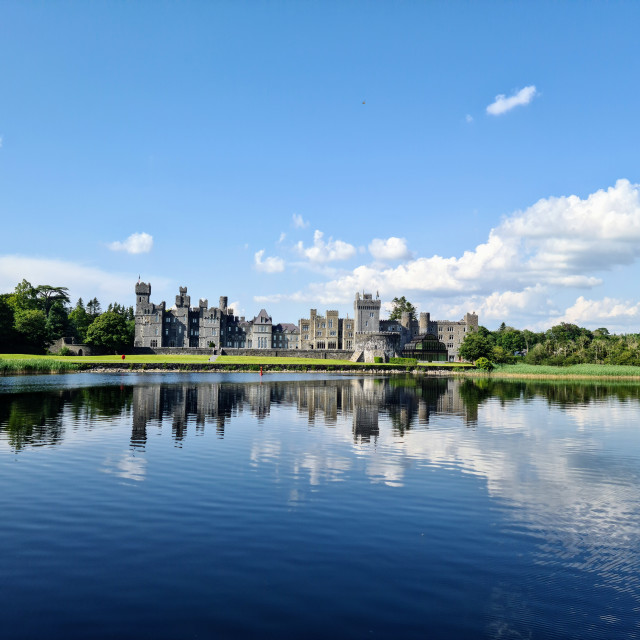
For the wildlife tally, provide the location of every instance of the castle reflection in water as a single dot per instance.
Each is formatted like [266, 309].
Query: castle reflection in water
[191, 406]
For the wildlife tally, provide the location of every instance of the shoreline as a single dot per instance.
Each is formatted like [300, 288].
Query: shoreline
[332, 369]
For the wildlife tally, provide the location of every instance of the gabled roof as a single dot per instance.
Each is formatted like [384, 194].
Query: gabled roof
[262, 318]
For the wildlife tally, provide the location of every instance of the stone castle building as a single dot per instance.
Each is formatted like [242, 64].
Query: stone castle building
[185, 327]
[204, 327]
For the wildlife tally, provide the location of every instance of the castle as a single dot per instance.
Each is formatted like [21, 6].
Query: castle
[362, 337]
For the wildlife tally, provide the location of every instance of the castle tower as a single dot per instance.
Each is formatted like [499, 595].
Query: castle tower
[472, 321]
[424, 322]
[183, 300]
[366, 312]
[223, 303]
[143, 294]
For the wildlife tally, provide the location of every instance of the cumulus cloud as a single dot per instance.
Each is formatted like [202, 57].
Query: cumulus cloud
[502, 103]
[600, 312]
[270, 264]
[329, 251]
[82, 280]
[557, 245]
[390, 249]
[135, 243]
[299, 222]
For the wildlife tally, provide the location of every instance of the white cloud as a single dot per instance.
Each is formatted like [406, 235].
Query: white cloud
[135, 243]
[329, 251]
[390, 249]
[502, 104]
[82, 280]
[0, 142]
[468, 118]
[598, 313]
[527, 262]
[238, 309]
[283, 235]
[270, 264]
[299, 222]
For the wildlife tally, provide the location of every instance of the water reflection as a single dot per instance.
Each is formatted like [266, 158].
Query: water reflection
[538, 479]
[35, 418]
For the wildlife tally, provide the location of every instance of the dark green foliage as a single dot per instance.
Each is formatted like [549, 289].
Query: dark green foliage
[401, 305]
[7, 332]
[484, 364]
[79, 322]
[93, 308]
[377, 359]
[110, 332]
[126, 312]
[474, 346]
[57, 322]
[403, 361]
[31, 326]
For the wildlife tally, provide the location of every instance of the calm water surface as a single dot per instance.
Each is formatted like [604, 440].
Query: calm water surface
[219, 506]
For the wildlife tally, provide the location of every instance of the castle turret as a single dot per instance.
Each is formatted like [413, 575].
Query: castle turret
[366, 312]
[223, 303]
[471, 320]
[424, 322]
[143, 294]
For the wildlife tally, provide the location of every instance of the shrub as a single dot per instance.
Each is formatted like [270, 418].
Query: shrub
[484, 364]
[403, 361]
[65, 351]
[377, 359]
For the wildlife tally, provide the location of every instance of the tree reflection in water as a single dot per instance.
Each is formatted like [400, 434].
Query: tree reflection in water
[33, 419]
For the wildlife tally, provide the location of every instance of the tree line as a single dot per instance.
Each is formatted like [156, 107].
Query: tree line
[34, 317]
[561, 345]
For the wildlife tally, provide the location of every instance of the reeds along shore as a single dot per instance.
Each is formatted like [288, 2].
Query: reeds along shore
[36, 365]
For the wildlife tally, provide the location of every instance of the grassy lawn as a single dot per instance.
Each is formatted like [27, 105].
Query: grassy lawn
[145, 359]
[189, 359]
[591, 370]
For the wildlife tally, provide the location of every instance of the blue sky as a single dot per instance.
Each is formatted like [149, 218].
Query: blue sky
[470, 156]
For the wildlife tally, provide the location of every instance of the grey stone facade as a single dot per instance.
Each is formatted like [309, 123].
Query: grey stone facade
[204, 327]
[326, 332]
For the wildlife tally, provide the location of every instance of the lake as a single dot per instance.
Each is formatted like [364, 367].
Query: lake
[316, 506]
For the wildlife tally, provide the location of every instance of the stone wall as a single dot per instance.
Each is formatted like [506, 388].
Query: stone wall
[326, 354]
[381, 344]
[171, 351]
[75, 349]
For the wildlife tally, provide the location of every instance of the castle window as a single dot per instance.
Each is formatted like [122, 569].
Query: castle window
[167, 319]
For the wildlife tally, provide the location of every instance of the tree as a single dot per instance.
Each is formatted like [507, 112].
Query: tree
[47, 296]
[93, 307]
[110, 332]
[31, 324]
[79, 321]
[510, 340]
[23, 297]
[126, 312]
[57, 321]
[475, 346]
[401, 305]
[7, 332]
